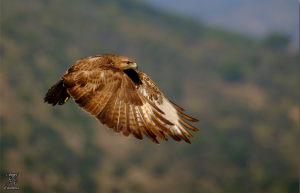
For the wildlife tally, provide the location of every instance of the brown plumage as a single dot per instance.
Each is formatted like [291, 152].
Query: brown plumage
[124, 99]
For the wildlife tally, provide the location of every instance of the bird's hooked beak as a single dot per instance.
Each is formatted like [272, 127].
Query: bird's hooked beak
[134, 66]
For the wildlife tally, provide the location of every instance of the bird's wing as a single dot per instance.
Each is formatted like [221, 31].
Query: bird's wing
[172, 112]
[110, 95]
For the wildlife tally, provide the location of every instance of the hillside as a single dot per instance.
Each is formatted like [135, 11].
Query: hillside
[245, 94]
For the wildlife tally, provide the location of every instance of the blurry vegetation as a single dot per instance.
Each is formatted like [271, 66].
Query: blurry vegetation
[231, 71]
[245, 94]
[277, 41]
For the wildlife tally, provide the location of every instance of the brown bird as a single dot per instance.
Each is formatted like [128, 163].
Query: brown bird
[124, 99]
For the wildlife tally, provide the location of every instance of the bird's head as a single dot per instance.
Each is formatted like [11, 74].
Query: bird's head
[124, 63]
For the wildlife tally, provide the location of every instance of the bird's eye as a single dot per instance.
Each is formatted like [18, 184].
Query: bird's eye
[128, 62]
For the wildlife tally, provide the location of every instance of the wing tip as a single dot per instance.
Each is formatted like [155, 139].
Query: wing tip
[187, 117]
[176, 106]
[155, 141]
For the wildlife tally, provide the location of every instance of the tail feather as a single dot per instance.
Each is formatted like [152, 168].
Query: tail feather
[57, 94]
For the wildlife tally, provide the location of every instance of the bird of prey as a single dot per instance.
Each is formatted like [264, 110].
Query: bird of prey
[124, 99]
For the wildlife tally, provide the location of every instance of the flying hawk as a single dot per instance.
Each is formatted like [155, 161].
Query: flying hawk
[124, 99]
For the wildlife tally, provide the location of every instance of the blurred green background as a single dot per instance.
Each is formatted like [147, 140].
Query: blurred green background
[245, 93]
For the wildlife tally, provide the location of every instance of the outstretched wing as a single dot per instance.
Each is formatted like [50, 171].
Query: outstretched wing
[172, 112]
[110, 95]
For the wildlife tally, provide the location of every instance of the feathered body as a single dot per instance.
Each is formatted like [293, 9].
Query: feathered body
[124, 99]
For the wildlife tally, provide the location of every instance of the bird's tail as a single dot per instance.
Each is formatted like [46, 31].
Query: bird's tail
[57, 94]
